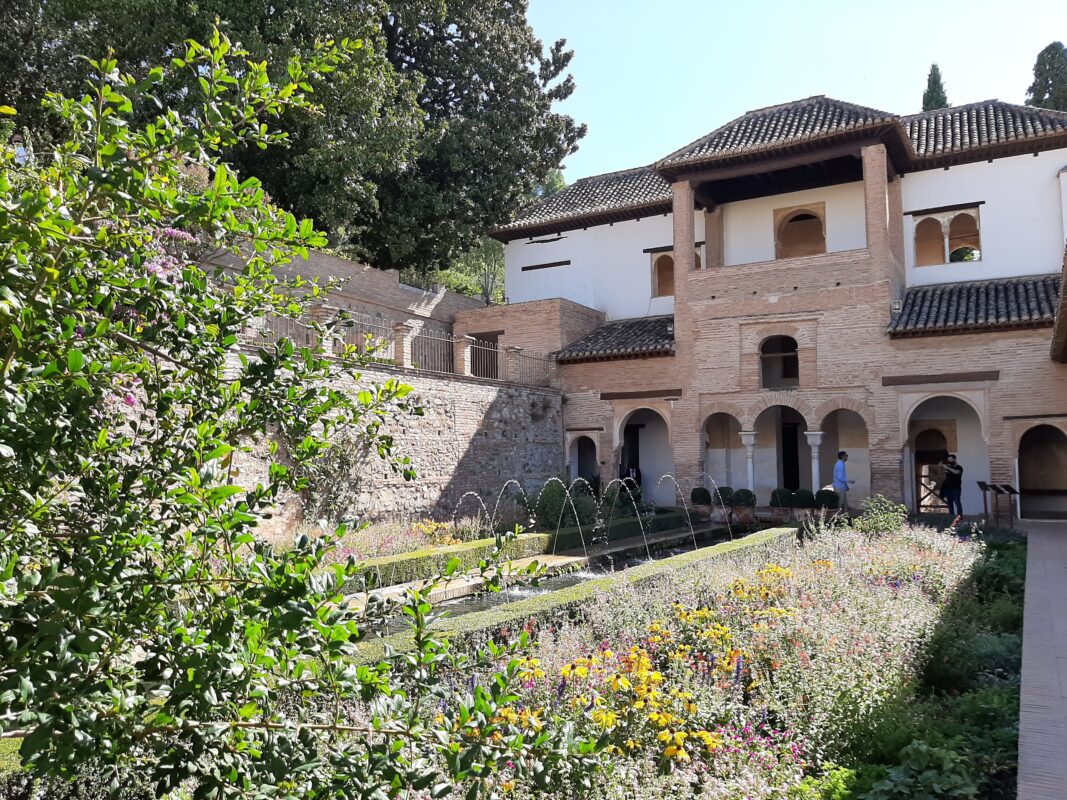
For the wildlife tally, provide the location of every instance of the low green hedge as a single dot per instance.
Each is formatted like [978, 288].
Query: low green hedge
[546, 605]
[422, 564]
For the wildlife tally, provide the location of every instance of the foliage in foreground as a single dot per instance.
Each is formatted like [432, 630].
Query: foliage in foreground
[146, 635]
[438, 127]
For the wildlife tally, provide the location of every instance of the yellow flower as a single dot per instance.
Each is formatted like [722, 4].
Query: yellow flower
[508, 786]
[507, 715]
[619, 683]
[605, 718]
[712, 741]
[531, 719]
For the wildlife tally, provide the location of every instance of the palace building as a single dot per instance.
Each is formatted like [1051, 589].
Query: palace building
[810, 277]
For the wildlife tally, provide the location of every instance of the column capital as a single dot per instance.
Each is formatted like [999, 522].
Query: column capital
[748, 438]
[814, 437]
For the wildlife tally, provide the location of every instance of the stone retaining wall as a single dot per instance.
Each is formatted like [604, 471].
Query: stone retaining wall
[474, 435]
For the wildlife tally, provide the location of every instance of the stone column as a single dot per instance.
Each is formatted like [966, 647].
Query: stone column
[748, 439]
[461, 355]
[402, 340]
[814, 441]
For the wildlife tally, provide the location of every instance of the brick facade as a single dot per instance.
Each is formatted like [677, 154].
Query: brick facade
[837, 306]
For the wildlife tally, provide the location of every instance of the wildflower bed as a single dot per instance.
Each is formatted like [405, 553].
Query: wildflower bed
[727, 684]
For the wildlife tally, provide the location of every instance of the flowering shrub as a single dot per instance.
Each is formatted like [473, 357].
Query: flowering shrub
[738, 681]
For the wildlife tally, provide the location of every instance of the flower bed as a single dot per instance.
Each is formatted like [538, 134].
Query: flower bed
[729, 684]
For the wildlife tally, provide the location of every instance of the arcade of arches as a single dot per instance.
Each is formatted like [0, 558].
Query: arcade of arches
[782, 451]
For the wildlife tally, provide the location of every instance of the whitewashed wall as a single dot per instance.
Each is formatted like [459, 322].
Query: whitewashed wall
[972, 453]
[608, 270]
[748, 226]
[1021, 221]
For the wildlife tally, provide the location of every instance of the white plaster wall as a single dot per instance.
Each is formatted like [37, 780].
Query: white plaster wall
[748, 225]
[845, 430]
[608, 270]
[656, 457]
[972, 455]
[725, 467]
[1021, 222]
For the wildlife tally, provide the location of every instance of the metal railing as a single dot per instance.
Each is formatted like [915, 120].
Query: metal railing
[531, 369]
[371, 336]
[433, 351]
[426, 350]
[485, 359]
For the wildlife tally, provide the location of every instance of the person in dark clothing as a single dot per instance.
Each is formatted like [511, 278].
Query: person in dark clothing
[952, 486]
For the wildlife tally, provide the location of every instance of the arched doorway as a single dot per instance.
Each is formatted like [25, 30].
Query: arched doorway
[1043, 473]
[936, 427]
[782, 456]
[724, 455]
[846, 430]
[582, 459]
[646, 449]
[931, 450]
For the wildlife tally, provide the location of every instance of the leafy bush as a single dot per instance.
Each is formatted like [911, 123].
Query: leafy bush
[803, 498]
[744, 498]
[880, 516]
[826, 498]
[839, 783]
[620, 498]
[782, 498]
[724, 496]
[553, 509]
[700, 496]
[926, 773]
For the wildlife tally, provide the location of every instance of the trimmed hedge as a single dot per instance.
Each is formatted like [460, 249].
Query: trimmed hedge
[422, 564]
[545, 605]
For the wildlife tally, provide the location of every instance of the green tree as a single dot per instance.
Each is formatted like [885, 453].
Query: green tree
[934, 97]
[143, 625]
[1049, 89]
[433, 131]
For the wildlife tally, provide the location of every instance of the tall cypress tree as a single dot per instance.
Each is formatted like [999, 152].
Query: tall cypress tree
[1049, 89]
[934, 97]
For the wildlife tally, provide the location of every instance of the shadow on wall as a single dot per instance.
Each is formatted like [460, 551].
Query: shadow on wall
[473, 437]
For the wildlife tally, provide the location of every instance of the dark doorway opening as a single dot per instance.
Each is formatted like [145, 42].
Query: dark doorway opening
[791, 455]
[931, 450]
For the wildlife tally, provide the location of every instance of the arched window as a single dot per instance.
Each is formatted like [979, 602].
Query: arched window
[800, 233]
[949, 236]
[779, 363]
[929, 243]
[963, 242]
[663, 276]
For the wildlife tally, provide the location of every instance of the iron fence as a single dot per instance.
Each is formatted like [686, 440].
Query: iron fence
[428, 349]
[433, 351]
[371, 336]
[531, 369]
[485, 359]
[268, 330]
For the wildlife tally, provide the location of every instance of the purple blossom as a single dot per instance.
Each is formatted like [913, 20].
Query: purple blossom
[177, 235]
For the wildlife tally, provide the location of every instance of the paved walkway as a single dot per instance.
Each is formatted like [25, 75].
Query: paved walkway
[1043, 713]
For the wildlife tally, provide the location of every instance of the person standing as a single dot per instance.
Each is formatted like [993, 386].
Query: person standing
[841, 480]
[952, 486]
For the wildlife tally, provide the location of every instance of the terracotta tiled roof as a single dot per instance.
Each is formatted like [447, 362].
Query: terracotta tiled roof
[624, 338]
[776, 126]
[613, 192]
[978, 306]
[920, 141]
[980, 125]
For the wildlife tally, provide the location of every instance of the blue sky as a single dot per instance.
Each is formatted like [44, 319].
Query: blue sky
[653, 75]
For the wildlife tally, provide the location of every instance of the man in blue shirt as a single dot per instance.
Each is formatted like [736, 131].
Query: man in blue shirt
[841, 481]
